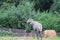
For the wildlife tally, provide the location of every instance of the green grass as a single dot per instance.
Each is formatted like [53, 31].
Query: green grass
[56, 38]
[27, 38]
[8, 38]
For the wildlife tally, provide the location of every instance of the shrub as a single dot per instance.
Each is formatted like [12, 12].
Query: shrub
[6, 33]
[55, 8]
[43, 5]
[15, 17]
[49, 21]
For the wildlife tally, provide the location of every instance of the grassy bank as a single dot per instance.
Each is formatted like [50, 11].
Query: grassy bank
[27, 38]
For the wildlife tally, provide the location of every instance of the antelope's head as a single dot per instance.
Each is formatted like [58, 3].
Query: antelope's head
[29, 20]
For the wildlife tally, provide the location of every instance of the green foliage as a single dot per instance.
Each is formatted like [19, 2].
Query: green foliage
[55, 8]
[49, 21]
[6, 33]
[43, 5]
[28, 28]
[16, 17]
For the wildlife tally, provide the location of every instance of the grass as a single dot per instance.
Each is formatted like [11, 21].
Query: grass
[55, 38]
[27, 38]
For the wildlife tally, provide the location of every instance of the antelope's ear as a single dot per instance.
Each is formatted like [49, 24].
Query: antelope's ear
[30, 23]
[27, 21]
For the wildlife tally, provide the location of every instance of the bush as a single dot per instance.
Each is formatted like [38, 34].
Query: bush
[55, 8]
[28, 28]
[6, 33]
[49, 21]
[16, 17]
[43, 5]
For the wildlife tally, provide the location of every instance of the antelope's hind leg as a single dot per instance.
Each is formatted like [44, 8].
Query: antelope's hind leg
[41, 35]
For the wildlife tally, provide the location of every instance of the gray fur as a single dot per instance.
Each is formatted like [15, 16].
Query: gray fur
[36, 26]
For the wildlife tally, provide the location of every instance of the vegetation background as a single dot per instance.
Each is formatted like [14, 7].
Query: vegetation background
[14, 13]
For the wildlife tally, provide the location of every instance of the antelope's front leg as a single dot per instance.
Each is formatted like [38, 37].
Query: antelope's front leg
[37, 35]
[33, 33]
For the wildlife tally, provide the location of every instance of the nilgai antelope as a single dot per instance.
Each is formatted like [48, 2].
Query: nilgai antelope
[49, 33]
[37, 27]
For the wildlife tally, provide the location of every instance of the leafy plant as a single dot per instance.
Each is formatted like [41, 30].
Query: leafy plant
[16, 17]
[6, 33]
[55, 8]
[48, 20]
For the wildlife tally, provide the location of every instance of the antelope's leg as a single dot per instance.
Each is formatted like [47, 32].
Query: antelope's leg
[37, 35]
[33, 34]
[25, 33]
[40, 34]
